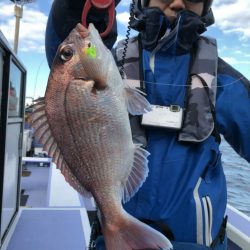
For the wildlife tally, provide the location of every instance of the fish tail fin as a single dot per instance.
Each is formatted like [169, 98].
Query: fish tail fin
[132, 234]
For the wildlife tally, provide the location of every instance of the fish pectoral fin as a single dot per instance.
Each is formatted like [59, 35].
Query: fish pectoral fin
[136, 103]
[138, 174]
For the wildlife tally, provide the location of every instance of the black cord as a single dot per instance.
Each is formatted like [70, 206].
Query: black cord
[95, 232]
[92, 237]
[124, 53]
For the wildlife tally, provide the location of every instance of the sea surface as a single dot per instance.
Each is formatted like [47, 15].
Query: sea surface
[237, 171]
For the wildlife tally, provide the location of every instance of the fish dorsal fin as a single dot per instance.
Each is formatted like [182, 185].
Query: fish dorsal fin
[138, 174]
[44, 134]
[136, 103]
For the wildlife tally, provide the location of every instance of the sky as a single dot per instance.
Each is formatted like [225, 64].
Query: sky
[232, 31]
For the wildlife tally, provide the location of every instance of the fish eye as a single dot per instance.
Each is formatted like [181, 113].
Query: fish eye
[66, 53]
[89, 44]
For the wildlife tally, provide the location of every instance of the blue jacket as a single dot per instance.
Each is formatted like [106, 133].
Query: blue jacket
[186, 186]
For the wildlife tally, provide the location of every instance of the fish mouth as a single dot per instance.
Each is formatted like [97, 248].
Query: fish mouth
[83, 31]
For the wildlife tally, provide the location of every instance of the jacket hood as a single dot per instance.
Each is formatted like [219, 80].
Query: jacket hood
[207, 15]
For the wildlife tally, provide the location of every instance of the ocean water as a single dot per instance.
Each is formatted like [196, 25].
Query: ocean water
[237, 171]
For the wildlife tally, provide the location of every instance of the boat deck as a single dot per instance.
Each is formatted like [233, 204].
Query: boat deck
[49, 229]
[34, 185]
[54, 216]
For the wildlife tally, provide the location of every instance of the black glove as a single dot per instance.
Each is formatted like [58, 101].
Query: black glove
[67, 13]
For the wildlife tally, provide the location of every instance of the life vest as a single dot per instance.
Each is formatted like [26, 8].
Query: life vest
[199, 111]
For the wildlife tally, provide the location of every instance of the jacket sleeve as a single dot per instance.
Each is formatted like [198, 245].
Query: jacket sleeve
[233, 108]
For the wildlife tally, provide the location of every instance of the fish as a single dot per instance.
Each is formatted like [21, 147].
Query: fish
[83, 124]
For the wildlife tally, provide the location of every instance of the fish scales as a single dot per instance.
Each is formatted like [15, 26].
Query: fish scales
[97, 128]
[85, 128]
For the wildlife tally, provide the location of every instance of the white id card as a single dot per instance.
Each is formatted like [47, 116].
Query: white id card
[164, 116]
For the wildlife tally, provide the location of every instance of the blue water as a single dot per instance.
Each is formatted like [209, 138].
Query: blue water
[237, 172]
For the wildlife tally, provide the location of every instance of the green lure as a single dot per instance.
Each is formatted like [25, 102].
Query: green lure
[90, 51]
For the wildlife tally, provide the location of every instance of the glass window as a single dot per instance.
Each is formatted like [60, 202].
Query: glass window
[1, 78]
[15, 91]
[10, 183]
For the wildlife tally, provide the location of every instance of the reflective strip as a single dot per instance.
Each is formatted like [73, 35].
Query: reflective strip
[199, 223]
[152, 62]
[210, 209]
[208, 214]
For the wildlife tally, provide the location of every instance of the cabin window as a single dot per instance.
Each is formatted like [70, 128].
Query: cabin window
[14, 107]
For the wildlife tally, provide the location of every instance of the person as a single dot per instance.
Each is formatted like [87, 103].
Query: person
[64, 16]
[185, 194]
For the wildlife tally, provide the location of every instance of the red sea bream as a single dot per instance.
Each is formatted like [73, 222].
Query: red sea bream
[84, 126]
